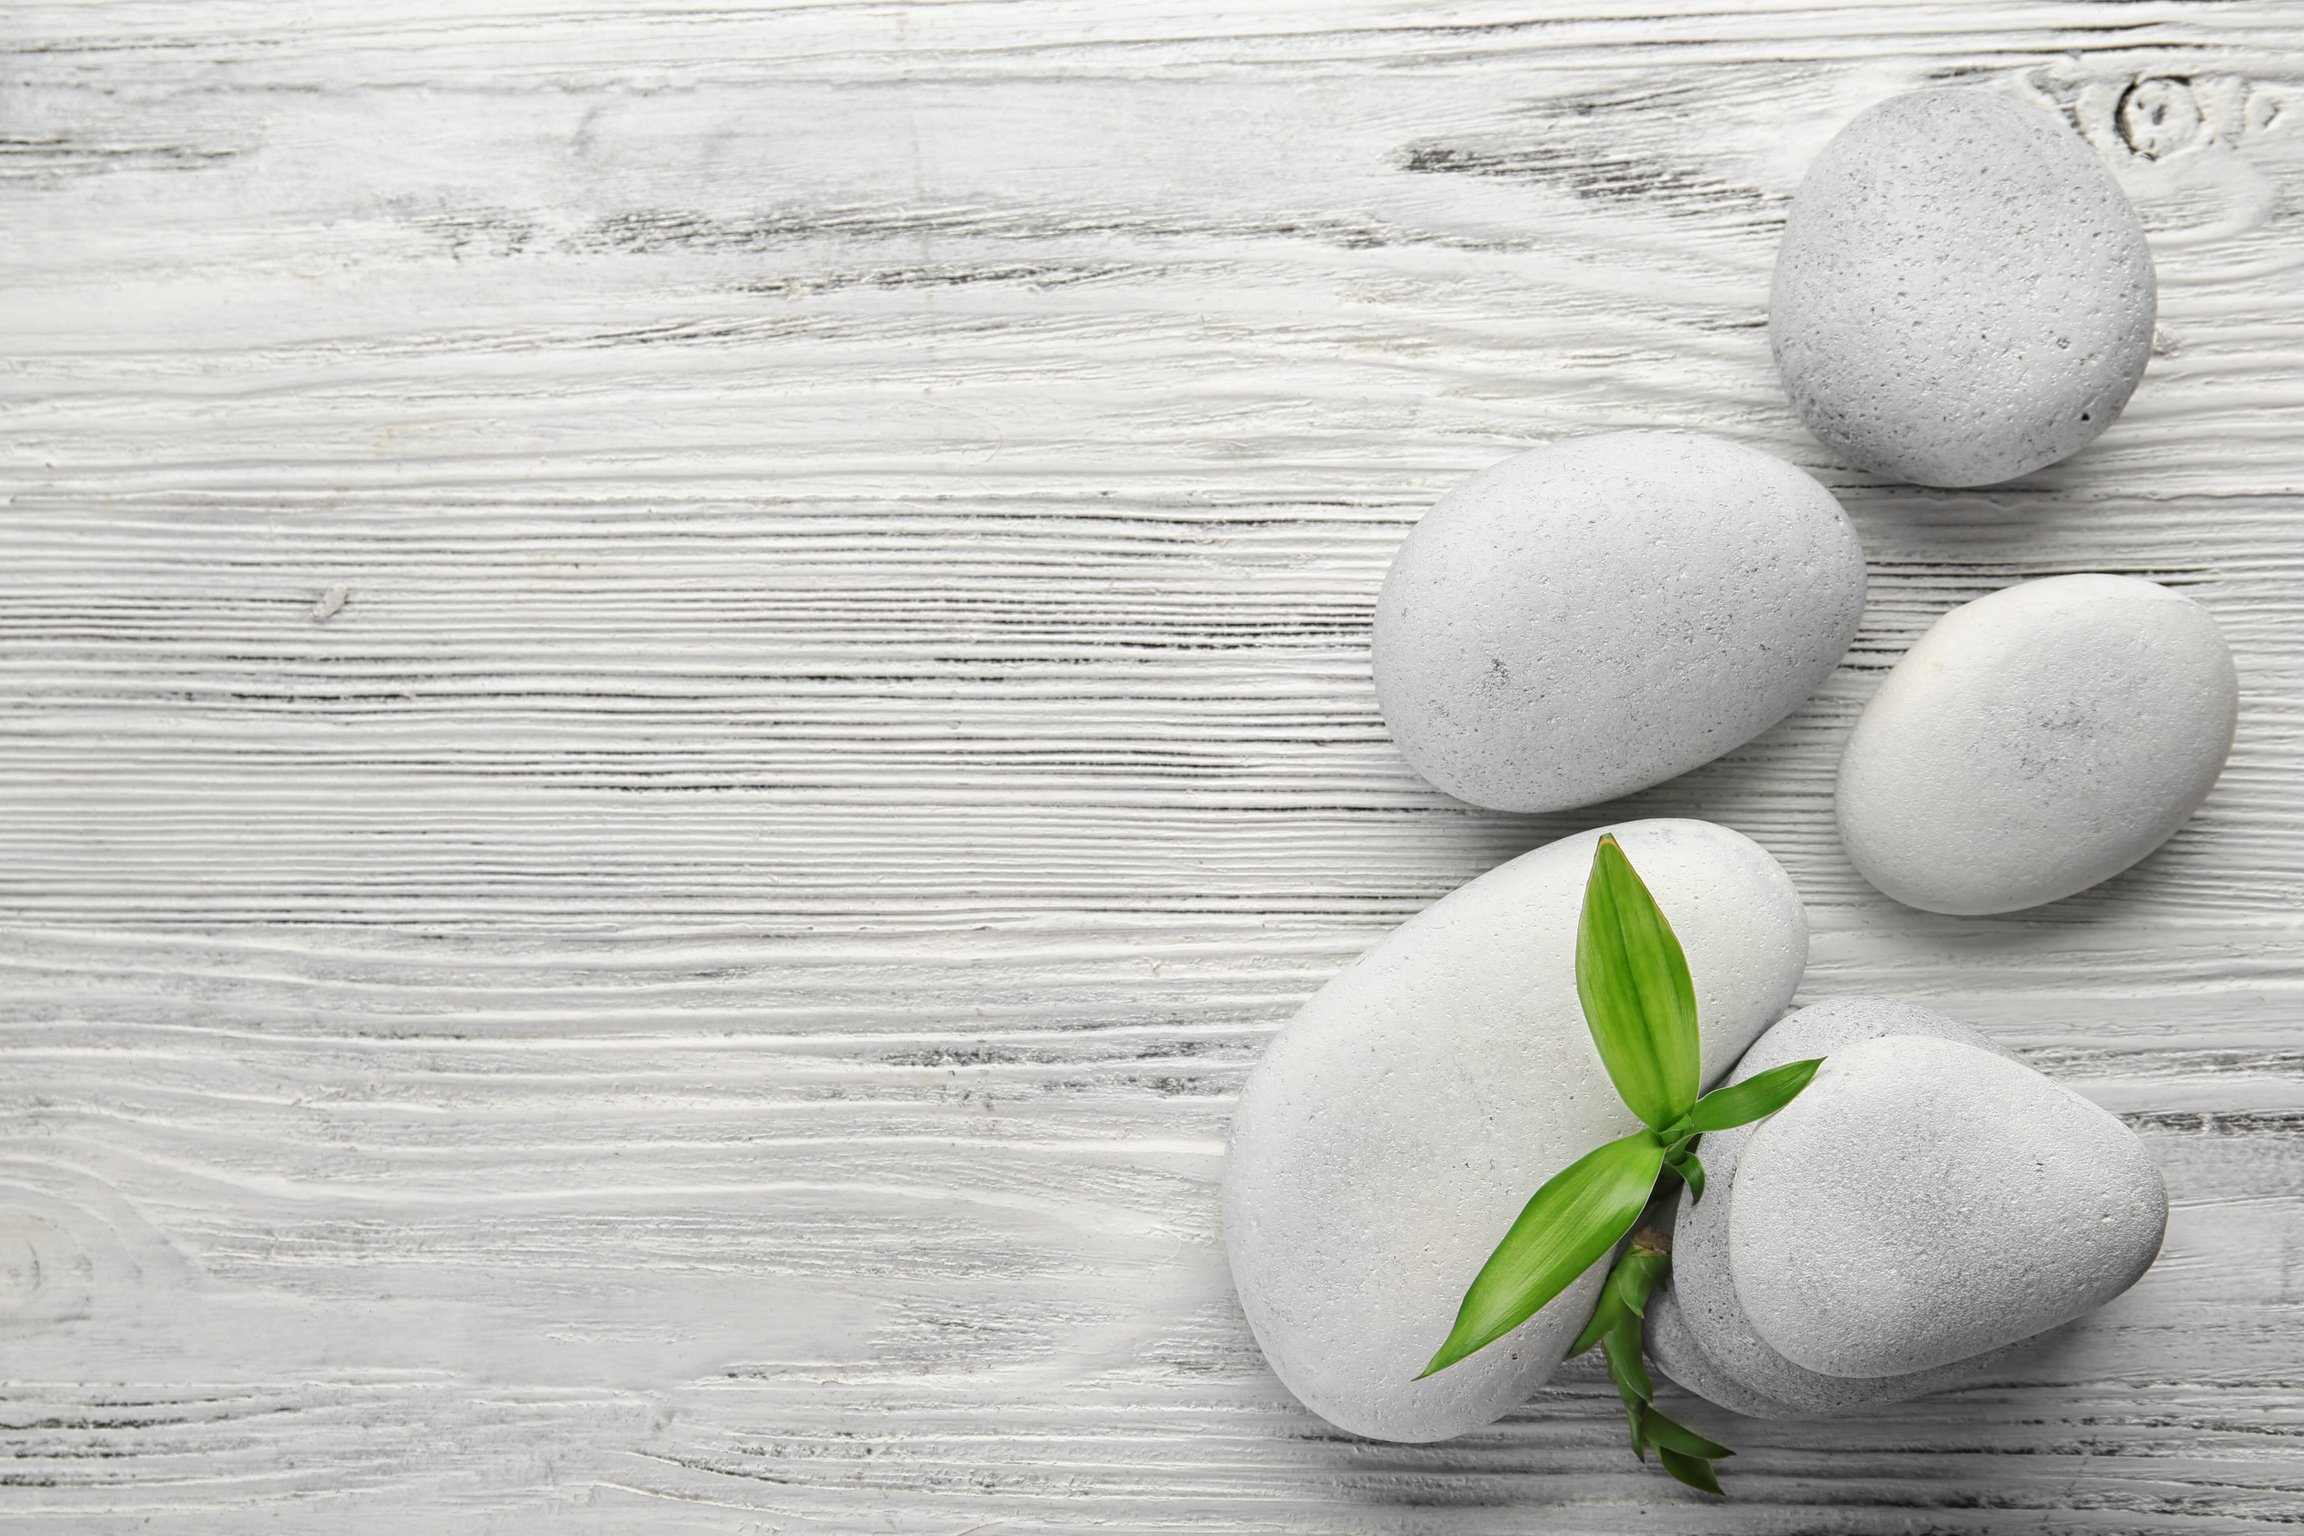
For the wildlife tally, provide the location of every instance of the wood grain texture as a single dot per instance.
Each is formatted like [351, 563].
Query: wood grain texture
[681, 684]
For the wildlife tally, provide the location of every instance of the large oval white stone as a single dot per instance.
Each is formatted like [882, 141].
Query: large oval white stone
[2035, 742]
[1963, 294]
[1603, 614]
[1393, 1130]
[1923, 1201]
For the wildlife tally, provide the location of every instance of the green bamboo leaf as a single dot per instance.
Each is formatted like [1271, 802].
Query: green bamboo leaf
[1625, 1367]
[1763, 1094]
[1661, 1432]
[1625, 1295]
[1604, 1317]
[1691, 1171]
[1630, 1373]
[1638, 999]
[1695, 1471]
[1567, 1226]
[1646, 1270]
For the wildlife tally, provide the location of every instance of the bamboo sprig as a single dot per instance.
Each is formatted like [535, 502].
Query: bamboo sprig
[1639, 1003]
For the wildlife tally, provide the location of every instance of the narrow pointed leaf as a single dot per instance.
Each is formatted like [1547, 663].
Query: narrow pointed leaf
[1691, 1171]
[1567, 1226]
[1695, 1471]
[1663, 1432]
[1625, 1367]
[1641, 1272]
[1604, 1317]
[1638, 999]
[1763, 1094]
[1621, 1347]
[1625, 1295]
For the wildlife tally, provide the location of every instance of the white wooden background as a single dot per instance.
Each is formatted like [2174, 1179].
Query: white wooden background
[682, 682]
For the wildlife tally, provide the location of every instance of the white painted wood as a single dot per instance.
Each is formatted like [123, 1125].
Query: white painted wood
[681, 683]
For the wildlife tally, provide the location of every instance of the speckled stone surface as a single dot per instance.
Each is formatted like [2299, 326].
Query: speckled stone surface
[1673, 1350]
[1393, 1130]
[2035, 742]
[1963, 293]
[1698, 1333]
[1924, 1201]
[1603, 614]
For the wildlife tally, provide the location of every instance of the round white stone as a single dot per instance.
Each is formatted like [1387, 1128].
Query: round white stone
[1963, 294]
[1924, 1201]
[1598, 616]
[1697, 1331]
[1393, 1130]
[2035, 742]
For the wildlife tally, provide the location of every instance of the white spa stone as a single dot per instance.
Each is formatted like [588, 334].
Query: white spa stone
[2037, 741]
[1697, 1331]
[1963, 294]
[1924, 1201]
[1594, 617]
[1393, 1130]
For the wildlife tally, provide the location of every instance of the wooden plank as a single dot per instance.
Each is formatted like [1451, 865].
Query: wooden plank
[680, 686]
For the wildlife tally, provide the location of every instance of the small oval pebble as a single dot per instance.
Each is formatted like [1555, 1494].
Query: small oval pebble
[1963, 294]
[1697, 1331]
[1923, 1201]
[1393, 1130]
[1594, 617]
[2035, 742]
